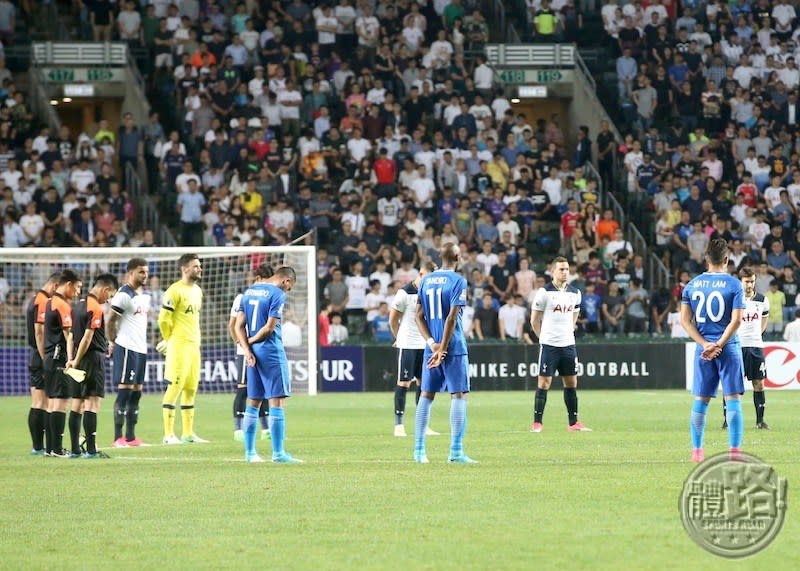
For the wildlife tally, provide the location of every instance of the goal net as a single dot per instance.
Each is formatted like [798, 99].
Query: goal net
[226, 272]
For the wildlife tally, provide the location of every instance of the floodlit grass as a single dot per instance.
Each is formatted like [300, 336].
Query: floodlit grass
[556, 500]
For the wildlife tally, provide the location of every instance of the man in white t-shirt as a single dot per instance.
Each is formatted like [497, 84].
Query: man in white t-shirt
[555, 312]
[357, 288]
[289, 101]
[410, 346]
[512, 318]
[358, 147]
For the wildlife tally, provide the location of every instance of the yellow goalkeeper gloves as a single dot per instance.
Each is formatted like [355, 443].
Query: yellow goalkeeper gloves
[161, 347]
[77, 375]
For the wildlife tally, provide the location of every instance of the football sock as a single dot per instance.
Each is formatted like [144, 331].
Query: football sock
[187, 410]
[48, 432]
[249, 426]
[90, 429]
[132, 415]
[458, 425]
[539, 402]
[33, 418]
[239, 403]
[420, 423]
[38, 428]
[263, 415]
[697, 424]
[759, 399]
[735, 423]
[75, 431]
[277, 427]
[120, 410]
[419, 392]
[168, 416]
[57, 422]
[187, 419]
[399, 403]
[571, 400]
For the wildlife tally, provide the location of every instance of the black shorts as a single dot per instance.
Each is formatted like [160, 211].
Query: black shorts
[55, 381]
[241, 371]
[561, 360]
[409, 364]
[36, 370]
[129, 366]
[755, 368]
[94, 385]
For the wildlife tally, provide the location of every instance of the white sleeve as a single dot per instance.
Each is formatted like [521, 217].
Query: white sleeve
[765, 312]
[540, 300]
[237, 305]
[578, 301]
[400, 301]
[121, 301]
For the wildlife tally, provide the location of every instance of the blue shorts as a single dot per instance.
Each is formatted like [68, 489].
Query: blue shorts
[755, 368]
[561, 360]
[128, 366]
[268, 380]
[452, 375]
[726, 369]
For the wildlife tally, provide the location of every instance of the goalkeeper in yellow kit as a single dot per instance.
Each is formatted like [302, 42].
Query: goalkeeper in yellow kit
[179, 322]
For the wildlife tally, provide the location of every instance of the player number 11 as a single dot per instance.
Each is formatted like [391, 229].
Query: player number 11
[435, 302]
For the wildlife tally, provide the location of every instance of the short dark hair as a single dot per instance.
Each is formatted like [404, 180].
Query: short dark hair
[68, 276]
[106, 280]
[716, 251]
[134, 263]
[746, 273]
[559, 259]
[286, 272]
[54, 278]
[264, 271]
[187, 259]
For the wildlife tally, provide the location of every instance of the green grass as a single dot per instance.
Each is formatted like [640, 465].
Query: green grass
[556, 500]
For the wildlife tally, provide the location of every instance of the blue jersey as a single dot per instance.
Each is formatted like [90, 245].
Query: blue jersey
[259, 303]
[712, 298]
[438, 292]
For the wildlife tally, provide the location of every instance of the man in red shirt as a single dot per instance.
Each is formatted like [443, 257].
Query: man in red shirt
[324, 324]
[569, 221]
[385, 174]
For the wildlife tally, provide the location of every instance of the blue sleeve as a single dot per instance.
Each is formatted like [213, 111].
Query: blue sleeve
[458, 296]
[738, 296]
[685, 295]
[276, 306]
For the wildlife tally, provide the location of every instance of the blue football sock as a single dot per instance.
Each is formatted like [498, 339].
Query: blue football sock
[458, 426]
[277, 428]
[735, 420]
[249, 426]
[697, 423]
[421, 423]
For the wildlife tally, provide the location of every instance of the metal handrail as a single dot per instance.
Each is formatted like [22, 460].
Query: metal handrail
[40, 100]
[80, 53]
[659, 274]
[531, 55]
[147, 211]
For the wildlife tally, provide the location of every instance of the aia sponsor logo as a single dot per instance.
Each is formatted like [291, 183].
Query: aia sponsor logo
[783, 367]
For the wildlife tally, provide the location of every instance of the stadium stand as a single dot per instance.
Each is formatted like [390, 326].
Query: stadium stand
[380, 126]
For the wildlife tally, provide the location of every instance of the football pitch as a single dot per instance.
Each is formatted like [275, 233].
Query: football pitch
[606, 499]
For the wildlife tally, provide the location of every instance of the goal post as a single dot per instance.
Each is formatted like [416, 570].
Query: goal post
[227, 271]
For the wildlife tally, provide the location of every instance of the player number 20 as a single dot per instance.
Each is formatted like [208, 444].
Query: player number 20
[435, 302]
[708, 304]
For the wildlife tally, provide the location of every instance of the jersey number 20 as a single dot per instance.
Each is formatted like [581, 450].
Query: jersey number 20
[708, 304]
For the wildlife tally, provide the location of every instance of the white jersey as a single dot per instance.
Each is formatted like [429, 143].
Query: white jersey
[133, 308]
[558, 308]
[755, 312]
[235, 308]
[405, 301]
